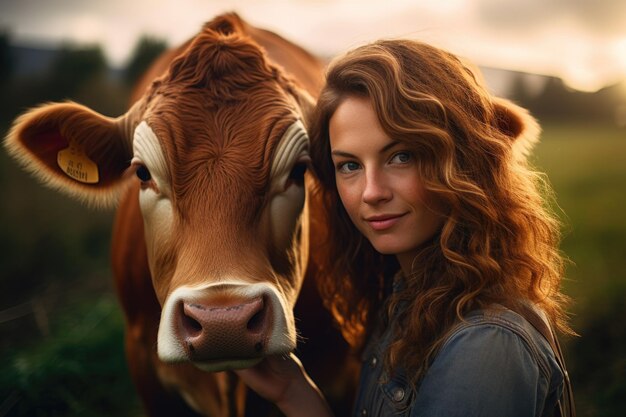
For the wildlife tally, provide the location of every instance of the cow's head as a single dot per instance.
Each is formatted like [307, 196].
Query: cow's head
[220, 149]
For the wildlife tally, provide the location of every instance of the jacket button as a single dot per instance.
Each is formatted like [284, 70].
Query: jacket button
[364, 412]
[373, 361]
[398, 394]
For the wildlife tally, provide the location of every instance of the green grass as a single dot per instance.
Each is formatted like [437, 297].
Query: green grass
[79, 370]
[587, 168]
[54, 254]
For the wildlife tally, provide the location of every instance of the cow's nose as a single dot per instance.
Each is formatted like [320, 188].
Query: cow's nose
[221, 330]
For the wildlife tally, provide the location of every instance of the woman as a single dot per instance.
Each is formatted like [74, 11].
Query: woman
[442, 261]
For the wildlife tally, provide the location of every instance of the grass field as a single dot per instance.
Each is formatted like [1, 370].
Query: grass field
[587, 168]
[69, 361]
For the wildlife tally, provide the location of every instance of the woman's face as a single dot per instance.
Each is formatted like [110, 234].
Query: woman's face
[378, 183]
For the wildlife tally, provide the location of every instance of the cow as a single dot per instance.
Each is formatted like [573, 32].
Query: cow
[214, 225]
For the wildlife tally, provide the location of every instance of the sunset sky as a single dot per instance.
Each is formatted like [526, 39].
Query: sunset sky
[581, 41]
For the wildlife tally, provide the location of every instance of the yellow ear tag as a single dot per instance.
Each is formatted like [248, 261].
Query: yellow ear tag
[76, 164]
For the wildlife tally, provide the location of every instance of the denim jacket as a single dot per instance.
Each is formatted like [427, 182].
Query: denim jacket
[493, 364]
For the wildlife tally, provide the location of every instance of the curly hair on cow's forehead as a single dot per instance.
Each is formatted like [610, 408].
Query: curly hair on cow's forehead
[222, 65]
[499, 241]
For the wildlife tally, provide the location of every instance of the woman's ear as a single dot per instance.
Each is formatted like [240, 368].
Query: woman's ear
[516, 123]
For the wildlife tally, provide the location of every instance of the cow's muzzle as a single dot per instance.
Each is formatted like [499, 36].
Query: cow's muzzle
[213, 329]
[225, 326]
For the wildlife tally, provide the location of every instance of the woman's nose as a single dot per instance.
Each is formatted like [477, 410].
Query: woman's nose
[376, 189]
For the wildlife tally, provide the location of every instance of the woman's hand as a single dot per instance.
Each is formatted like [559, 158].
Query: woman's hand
[272, 377]
[283, 381]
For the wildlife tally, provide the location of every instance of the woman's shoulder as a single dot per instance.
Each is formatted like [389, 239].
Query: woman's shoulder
[496, 332]
[508, 322]
[494, 361]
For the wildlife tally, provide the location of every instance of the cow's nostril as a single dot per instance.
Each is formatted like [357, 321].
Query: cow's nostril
[255, 324]
[191, 326]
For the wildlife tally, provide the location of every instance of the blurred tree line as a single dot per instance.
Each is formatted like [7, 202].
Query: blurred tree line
[82, 73]
[557, 103]
[77, 72]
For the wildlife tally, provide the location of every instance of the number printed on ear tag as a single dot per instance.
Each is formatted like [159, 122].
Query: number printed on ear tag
[76, 164]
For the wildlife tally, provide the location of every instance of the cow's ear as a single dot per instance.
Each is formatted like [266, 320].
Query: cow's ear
[516, 123]
[73, 149]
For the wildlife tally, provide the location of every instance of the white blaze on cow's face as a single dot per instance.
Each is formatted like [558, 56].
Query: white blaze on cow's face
[230, 319]
[155, 196]
[287, 192]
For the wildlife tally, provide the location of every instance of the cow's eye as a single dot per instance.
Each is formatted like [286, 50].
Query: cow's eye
[296, 176]
[143, 174]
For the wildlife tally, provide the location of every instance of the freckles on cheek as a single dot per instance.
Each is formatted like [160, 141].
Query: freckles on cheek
[350, 201]
[344, 187]
[345, 196]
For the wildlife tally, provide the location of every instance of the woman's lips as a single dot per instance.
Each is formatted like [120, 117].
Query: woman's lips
[383, 222]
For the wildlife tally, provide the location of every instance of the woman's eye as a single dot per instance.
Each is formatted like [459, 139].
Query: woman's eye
[143, 174]
[401, 158]
[348, 167]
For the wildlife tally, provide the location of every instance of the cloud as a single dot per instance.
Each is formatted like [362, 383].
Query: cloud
[606, 17]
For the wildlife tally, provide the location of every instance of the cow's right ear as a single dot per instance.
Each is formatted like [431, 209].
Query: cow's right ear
[74, 149]
[516, 123]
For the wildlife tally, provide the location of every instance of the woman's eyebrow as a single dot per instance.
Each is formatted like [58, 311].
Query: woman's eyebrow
[339, 152]
[342, 153]
[388, 146]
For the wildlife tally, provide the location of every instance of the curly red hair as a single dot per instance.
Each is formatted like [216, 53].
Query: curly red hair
[499, 241]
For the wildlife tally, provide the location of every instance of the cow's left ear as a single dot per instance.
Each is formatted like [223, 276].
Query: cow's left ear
[516, 123]
[73, 149]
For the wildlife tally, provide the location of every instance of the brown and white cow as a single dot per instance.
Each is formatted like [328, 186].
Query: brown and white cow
[212, 234]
